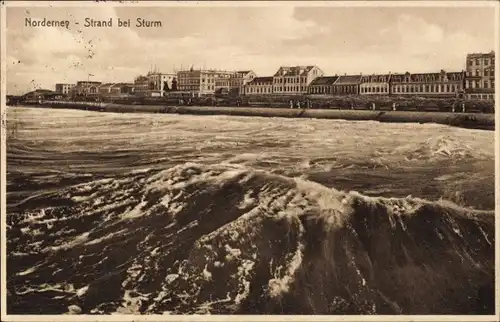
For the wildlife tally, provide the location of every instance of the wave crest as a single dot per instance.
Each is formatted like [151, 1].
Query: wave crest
[229, 239]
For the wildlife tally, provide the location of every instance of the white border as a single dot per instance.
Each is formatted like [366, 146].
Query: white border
[5, 317]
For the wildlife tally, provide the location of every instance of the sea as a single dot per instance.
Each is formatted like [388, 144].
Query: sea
[114, 213]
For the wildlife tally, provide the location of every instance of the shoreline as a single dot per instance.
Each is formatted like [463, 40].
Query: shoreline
[477, 121]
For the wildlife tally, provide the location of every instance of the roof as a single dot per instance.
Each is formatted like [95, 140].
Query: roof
[479, 55]
[348, 80]
[375, 78]
[244, 71]
[268, 79]
[325, 80]
[427, 77]
[293, 71]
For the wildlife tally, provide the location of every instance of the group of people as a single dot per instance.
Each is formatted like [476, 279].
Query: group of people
[299, 104]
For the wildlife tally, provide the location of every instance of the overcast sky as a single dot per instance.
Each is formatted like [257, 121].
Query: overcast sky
[337, 39]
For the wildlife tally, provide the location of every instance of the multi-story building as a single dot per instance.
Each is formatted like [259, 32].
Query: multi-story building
[294, 80]
[162, 82]
[374, 84]
[239, 79]
[442, 84]
[86, 88]
[201, 82]
[154, 84]
[116, 89]
[64, 89]
[346, 85]
[322, 85]
[259, 86]
[480, 77]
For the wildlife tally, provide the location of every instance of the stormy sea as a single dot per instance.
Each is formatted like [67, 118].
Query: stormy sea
[178, 214]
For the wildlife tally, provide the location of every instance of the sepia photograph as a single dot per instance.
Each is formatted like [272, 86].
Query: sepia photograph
[249, 159]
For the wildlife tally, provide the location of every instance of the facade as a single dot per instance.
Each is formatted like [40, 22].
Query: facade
[346, 85]
[480, 77]
[375, 84]
[440, 84]
[294, 80]
[239, 79]
[86, 88]
[64, 89]
[259, 86]
[202, 82]
[42, 94]
[154, 84]
[116, 89]
[322, 85]
[162, 82]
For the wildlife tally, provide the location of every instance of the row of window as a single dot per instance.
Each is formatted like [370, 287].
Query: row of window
[290, 88]
[477, 72]
[291, 80]
[487, 61]
[320, 90]
[477, 84]
[376, 89]
[443, 88]
[482, 96]
[345, 89]
[259, 90]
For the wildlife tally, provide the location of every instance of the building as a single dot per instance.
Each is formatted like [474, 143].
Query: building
[116, 89]
[154, 84]
[162, 82]
[239, 79]
[294, 80]
[346, 85]
[222, 83]
[42, 94]
[480, 76]
[202, 82]
[64, 89]
[322, 85]
[374, 84]
[86, 88]
[259, 86]
[442, 84]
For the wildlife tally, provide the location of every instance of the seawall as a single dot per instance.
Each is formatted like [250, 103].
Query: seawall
[465, 120]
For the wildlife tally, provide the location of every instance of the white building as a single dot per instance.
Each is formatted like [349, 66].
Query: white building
[294, 80]
[259, 86]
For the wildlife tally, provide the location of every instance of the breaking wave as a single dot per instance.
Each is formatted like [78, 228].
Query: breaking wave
[229, 239]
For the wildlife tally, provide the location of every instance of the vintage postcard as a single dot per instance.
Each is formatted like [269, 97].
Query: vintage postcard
[250, 161]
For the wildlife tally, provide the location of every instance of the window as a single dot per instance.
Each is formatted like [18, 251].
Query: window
[486, 61]
[492, 83]
[477, 62]
[478, 72]
[486, 84]
[470, 62]
[486, 73]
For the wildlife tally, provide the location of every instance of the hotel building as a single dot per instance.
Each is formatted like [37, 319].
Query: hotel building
[202, 82]
[259, 86]
[480, 77]
[64, 89]
[294, 80]
[322, 85]
[442, 84]
[374, 84]
[346, 85]
[86, 88]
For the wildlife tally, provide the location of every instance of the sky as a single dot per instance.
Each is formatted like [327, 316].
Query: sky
[338, 40]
